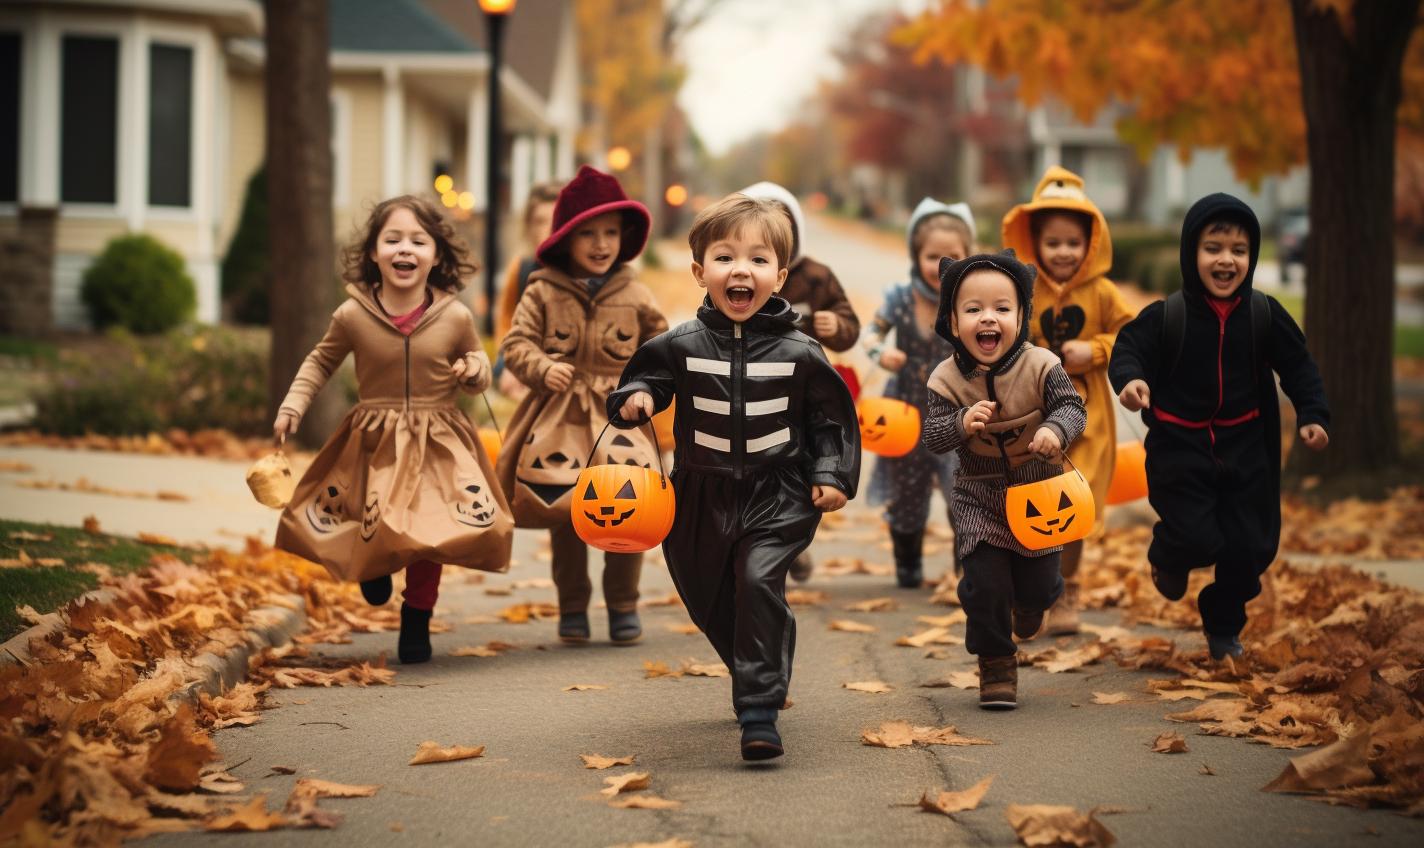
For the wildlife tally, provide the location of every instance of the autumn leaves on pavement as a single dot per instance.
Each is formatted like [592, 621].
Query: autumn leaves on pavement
[96, 751]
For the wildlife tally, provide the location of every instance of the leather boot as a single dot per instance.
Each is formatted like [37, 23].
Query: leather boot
[624, 628]
[999, 682]
[909, 568]
[377, 590]
[1063, 615]
[414, 643]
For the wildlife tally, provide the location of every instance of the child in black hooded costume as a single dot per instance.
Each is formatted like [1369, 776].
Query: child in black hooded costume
[1009, 409]
[767, 440]
[1214, 438]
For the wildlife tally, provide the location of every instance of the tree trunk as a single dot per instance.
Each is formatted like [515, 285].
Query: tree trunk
[298, 91]
[1350, 88]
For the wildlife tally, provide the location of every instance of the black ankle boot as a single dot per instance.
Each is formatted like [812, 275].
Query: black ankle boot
[624, 628]
[376, 591]
[414, 643]
[909, 571]
[573, 628]
[760, 741]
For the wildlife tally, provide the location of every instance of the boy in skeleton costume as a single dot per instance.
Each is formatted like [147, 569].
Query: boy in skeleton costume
[1009, 409]
[579, 321]
[767, 439]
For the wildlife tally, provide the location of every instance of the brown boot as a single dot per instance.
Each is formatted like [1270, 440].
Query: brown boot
[1063, 615]
[1027, 624]
[998, 682]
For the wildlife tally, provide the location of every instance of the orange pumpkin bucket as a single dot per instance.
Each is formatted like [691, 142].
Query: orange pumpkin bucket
[1129, 480]
[623, 508]
[888, 427]
[1051, 512]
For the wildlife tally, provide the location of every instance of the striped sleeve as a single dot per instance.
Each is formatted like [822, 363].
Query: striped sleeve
[1066, 413]
[943, 428]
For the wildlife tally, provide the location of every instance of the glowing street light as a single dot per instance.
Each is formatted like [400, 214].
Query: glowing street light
[676, 195]
[449, 198]
[444, 183]
[467, 200]
[619, 158]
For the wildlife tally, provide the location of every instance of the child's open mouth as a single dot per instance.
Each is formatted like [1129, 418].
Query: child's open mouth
[1223, 276]
[740, 297]
[988, 340]
[403, 267]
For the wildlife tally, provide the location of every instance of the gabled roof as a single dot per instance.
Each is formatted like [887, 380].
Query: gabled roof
[394, 26]
[531, 37]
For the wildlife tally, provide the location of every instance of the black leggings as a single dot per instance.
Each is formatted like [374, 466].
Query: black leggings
[996, 582]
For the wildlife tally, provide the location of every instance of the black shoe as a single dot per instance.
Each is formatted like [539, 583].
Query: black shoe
[760, 741]
[909, 568]
[414, 644]
[573, 628]
[1222, 647]
[624, 628]
[377, 590]
[802, 567]
[1172, 585]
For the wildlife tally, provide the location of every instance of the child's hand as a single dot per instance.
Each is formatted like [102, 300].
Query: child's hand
[471, 370]
[1077, 356]
[510, 387]
[893, 359]
[285, 425]
[638, 407]
[1136, 396]
[976, 416]
[825, 323]
[1045, 443]
[827, 498]
[1314, 436]
[559, 377]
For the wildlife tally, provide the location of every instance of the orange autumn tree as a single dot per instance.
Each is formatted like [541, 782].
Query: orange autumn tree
[1275, 83]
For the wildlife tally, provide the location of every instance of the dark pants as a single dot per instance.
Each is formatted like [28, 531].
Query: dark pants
[1219, 504]
[570, 570]
[731, 544]
[996, 582]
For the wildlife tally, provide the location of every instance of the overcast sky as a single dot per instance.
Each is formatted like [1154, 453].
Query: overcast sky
[752, 62]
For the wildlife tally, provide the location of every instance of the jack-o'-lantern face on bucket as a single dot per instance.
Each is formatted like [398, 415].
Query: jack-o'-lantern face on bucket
[609, 513]
[888, 427]
[1050, 512]
[474, 505]
[622, 508]
[326, 512]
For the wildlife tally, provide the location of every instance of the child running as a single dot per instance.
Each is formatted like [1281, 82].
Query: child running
[578, 323]
[1199, 367]
[1009, 410]
[1079, 313]
[538, 224]
[905, 483]
[767, 440]
[404, 482]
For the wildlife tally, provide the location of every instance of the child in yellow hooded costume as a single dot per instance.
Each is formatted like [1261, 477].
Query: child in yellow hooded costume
[1077, 312]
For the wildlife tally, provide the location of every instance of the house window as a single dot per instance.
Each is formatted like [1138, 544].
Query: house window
[170, 125]
[89, 120]
[9, 117]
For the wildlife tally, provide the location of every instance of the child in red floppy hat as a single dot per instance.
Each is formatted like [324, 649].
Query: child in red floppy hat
[577, 325]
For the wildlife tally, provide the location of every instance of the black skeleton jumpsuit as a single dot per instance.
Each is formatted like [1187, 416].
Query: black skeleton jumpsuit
[761, 418]
[1213, 444]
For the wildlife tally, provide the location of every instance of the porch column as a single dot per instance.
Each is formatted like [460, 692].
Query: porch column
[521, 171]
[543, 162]
[393, 135]
[477, 144]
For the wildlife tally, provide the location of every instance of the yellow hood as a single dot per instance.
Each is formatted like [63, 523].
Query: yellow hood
[1060, 189]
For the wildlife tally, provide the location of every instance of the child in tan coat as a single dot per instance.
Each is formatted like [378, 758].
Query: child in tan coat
[577, 325]
[404, 483]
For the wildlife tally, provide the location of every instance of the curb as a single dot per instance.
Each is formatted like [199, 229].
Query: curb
[268, 627]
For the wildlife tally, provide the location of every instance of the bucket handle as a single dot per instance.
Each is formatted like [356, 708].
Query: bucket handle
[656, 447]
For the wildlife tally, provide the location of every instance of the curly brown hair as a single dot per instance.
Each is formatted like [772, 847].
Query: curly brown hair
[453, 261]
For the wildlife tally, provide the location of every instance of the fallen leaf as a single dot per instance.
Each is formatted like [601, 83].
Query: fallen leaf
[313, 788]
[1342, 764]
[431, 752]
[851, 626]
[895, 734]
[806, 597]
[1113, 698]
[476, 651]
[499, 590]
[957, 679]
[91, 525]
[630, 782]
[582, 687]
[689, 628]
[659, 670]
[1169, 743]
[873, 686]
[595, 761]
[283, 769]
[155, 539]
[15, 465]
[950, 803]
[874, 605]
[1206, 769]
[49, 562]
[250, 816]
[220, 782]
[935, 636]
[699, 669]
[670, 843]
[644, 802]
[1044, 824]
[956, 617]
[672, 599]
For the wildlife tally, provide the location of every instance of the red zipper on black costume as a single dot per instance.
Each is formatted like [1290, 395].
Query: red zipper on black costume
[1213, 422]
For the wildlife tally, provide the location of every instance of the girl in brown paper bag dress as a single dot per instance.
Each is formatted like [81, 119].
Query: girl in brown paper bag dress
[404, 482]
[577, 325]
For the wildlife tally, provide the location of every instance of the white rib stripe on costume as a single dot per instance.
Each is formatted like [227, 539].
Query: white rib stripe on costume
[724, 445]
[721, 407]
[769, 369]
[711, 366]
[764, 407]
[770, 440]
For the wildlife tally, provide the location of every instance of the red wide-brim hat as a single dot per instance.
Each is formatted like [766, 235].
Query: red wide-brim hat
[589, 194]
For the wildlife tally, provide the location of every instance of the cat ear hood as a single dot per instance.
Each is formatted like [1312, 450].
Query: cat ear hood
[951, 276]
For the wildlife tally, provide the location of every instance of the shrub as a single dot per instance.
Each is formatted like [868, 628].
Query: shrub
[213, 378]
[139, 284]
[247, 268]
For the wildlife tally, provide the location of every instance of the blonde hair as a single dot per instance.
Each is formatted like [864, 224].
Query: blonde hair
[729, 215]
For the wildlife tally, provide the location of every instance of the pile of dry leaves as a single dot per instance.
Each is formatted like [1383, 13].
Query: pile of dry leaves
[215, 444]
[97, 745]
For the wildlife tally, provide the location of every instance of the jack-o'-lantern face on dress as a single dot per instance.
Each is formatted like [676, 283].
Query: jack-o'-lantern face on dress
[551, 460]
[371, 516]
[475, 505]
[326, 511]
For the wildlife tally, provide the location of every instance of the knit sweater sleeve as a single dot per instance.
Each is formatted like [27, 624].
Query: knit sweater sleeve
[320, 364]
[1067, 416]
[943, 430]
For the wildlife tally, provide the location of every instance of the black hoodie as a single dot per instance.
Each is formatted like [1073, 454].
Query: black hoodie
[1214, 383]
[750, 396]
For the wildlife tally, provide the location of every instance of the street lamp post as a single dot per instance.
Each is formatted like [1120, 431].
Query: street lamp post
[495, 13]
